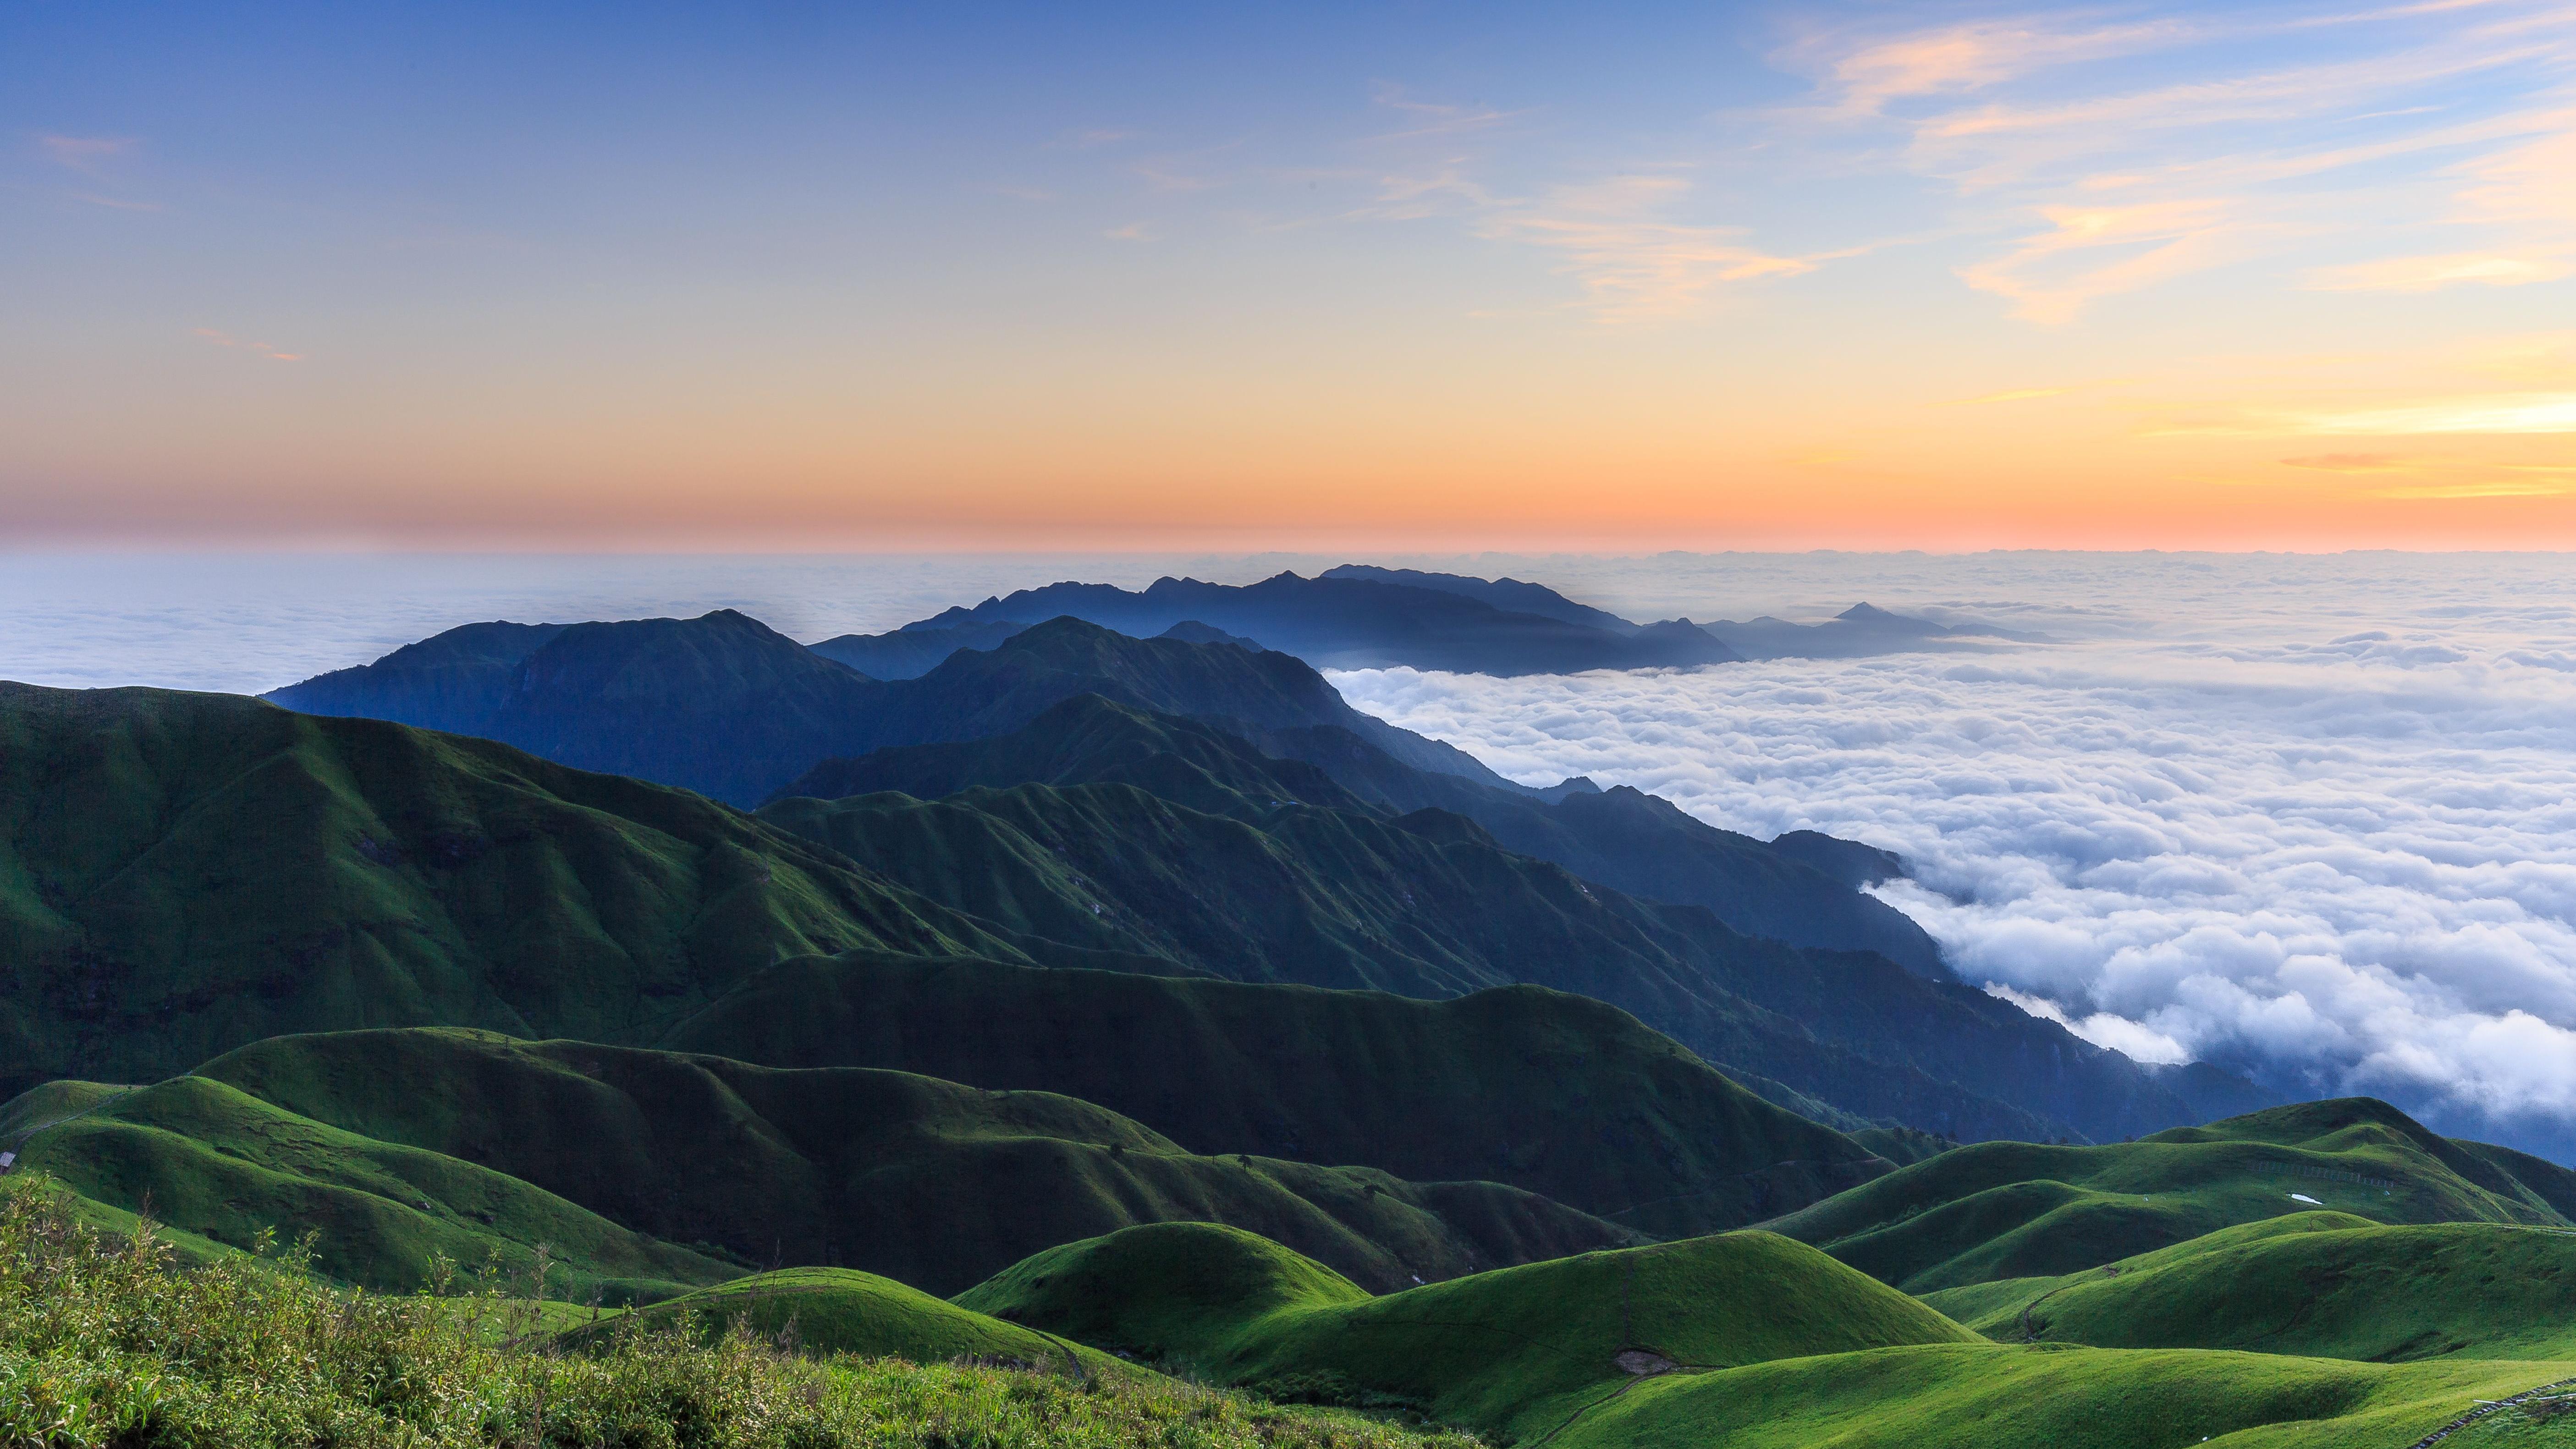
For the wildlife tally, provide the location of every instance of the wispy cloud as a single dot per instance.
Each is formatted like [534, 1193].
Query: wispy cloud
[1132, 231]
[1432, 118]
[257, 349]
[2426, 274]
[2527, 412]
[86, 154]
[1632, 265]
[2445, 115]
[2052, 276]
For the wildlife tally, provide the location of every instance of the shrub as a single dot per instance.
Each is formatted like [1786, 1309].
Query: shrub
[111, 1343]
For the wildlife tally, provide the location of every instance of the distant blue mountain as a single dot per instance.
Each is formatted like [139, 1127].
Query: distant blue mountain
[1361, 623]
[1859, 632]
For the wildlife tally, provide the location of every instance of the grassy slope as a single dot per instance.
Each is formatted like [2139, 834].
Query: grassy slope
[2319, 1284]
[1558, 1094]
[220, 1166]
[2018, 1210]
[1513, 1350]
[829, 1311]
[927, 1181]
[107, 1344]
[1343, 899]
[1775, 1346]
[182, 873]
[1952, 1397]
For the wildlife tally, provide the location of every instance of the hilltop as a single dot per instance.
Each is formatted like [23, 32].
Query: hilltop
[2011, 1210]
[1511, 1351]
[2318, 1283]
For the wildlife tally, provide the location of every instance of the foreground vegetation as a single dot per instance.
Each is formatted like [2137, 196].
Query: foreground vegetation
[110, 1343]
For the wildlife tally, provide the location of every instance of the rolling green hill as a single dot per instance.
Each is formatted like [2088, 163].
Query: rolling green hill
[825, 1311]
[2318, 1284]
[221, 1165]
[1512, 1351]
[1558, 1094]
[2017, 1210]
[1974, 1397]
[1744, 1340]
[183, 873]
[931, 1182]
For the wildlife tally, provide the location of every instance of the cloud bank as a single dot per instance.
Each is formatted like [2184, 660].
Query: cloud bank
[2346, 865]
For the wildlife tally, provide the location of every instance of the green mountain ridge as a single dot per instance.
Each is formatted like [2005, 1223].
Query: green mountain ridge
[2317, 1284]
[1746, 1340]
[897, 1174]
[219, 1164]
[825, 1311]
[1269, 887]
[1554, 1093]
[1999, 1210]
[184, 873]
[1511, 1351]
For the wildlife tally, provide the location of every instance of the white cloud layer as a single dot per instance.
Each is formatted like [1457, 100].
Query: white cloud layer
[2345, 862]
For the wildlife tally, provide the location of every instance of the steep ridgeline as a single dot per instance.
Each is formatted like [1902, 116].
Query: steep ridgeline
[727, 707]
[1859, 631]
[1558, 1094]
[394, 1143]
[182, 873]
[1510, 595]
[2010, 1211]
[1251, 882]
[1350, 622]
[916, 649]
[1804, 890]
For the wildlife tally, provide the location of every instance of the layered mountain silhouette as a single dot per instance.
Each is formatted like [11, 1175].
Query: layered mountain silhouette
[241, 871]
[1350, 621]
[726, 706]
[1121, 831]
[1639, 843]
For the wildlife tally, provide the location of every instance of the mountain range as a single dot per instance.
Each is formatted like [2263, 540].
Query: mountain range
[1357, 616]
[1157, 1005]
[1207, 729]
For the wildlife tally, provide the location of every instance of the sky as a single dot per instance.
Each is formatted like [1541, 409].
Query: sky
[1415, 275]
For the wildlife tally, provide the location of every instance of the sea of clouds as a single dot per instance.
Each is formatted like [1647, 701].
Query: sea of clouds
[2313, 819]
[2310, 817]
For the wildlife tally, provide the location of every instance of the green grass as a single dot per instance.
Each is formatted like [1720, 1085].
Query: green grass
[184, 873]
[1973, 1397]
[1558, 1094]
[1510, 1351]
[109, 1343]
[826, 1311]
[226, 1167]
[2000, 1210]
[651, 1172]
[2324, 1285]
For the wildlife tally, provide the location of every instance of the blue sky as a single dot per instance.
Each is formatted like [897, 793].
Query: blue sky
[2292, 274]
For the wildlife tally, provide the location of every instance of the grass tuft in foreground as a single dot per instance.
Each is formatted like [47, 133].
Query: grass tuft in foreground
[110, 1343]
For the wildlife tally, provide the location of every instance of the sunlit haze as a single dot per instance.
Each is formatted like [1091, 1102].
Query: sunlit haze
[1425, 275]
